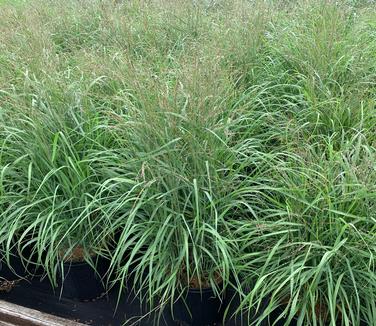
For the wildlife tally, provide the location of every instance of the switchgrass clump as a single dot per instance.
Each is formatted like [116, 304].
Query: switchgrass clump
[319, 268]
[50, 168]
[314, 259]
[196, 144]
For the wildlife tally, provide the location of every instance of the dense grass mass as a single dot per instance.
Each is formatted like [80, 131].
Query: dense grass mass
[210, 140]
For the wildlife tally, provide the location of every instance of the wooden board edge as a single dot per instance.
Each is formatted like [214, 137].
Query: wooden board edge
[16, 315]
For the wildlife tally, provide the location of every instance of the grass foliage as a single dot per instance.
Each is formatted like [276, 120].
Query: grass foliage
[209, 140]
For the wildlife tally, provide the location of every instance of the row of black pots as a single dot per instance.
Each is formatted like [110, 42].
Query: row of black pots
[80, 281]
[195, 307]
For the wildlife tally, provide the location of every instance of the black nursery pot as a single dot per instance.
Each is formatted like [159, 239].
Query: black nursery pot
[80, 281]
[245, 317]
[18, 268]
[15, 271]
[198, 308]
[274, 316]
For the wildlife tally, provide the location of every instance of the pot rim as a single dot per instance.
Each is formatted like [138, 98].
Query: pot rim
[202, 290]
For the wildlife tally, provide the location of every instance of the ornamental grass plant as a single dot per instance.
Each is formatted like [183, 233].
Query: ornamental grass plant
[196, 144]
